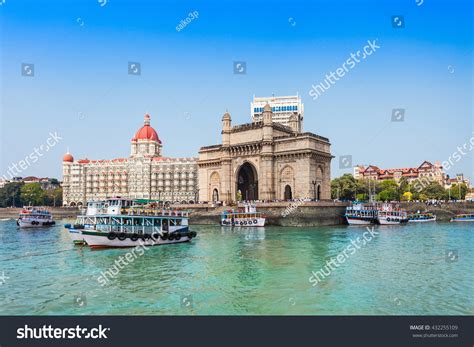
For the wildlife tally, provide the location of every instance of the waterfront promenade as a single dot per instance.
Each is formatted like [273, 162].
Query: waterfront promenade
[283, 213]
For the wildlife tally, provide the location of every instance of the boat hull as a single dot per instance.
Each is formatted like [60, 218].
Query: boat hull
[391, 221]
[76, 236]
[101, 240]
[359, 221]
[34, 224]
[243, 222]
[462, 220]
[422, 220]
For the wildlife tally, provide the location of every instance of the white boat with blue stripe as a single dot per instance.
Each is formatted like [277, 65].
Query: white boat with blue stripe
[119, 222]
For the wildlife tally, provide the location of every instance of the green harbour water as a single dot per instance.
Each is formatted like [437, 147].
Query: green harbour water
[417, 269]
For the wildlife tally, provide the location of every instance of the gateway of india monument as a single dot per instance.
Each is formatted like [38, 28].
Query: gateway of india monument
[270, 158]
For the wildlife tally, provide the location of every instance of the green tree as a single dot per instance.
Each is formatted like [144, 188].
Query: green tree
[422, 197]
[387, 195]
[32, 194]
[54, 181]
[53, 197]
[403, 187]
[458, 191]
[365, 187]
[389, 191]
[434, 191]
[10, 194]
[344, 187]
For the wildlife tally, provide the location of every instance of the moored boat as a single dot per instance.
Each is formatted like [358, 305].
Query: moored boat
[421, 217]
[34, 217]
[389, 215]
[126, 223]
[249, 217]
[463, 218]
[360, 214]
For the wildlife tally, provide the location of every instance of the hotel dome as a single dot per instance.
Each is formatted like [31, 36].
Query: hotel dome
[146, 132]
[68, 158]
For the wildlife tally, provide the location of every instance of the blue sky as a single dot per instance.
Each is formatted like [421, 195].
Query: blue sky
[82, 90]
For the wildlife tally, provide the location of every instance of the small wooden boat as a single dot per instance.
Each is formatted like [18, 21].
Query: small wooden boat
[421, 217]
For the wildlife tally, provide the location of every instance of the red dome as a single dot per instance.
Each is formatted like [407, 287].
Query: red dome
[68, 157]
[146, 132]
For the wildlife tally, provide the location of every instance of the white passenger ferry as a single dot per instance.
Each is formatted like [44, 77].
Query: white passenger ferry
[361, 214]
[249, 217]
[389, 215]
[119, 222]
[33, 217]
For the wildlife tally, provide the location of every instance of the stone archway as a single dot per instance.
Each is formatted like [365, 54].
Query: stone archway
[215, 195]
[288, 194]
[287, 183]
[247, 182]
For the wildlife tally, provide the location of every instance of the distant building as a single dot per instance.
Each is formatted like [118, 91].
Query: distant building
[459, 179]
[45, 182]
[469, 196]
[283, 108]
[145, 174]
[432, 172]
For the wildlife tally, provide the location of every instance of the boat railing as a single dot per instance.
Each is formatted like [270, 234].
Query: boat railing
[136, 229]
[133, 211]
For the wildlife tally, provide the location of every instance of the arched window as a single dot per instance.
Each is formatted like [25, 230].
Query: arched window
[288, 193]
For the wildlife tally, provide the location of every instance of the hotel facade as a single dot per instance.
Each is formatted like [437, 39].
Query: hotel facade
[145, 174]
[432, 172]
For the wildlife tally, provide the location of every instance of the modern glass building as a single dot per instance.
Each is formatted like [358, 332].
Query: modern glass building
[283, 107]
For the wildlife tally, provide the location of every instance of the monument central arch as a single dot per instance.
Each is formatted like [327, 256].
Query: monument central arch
[247, 182]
